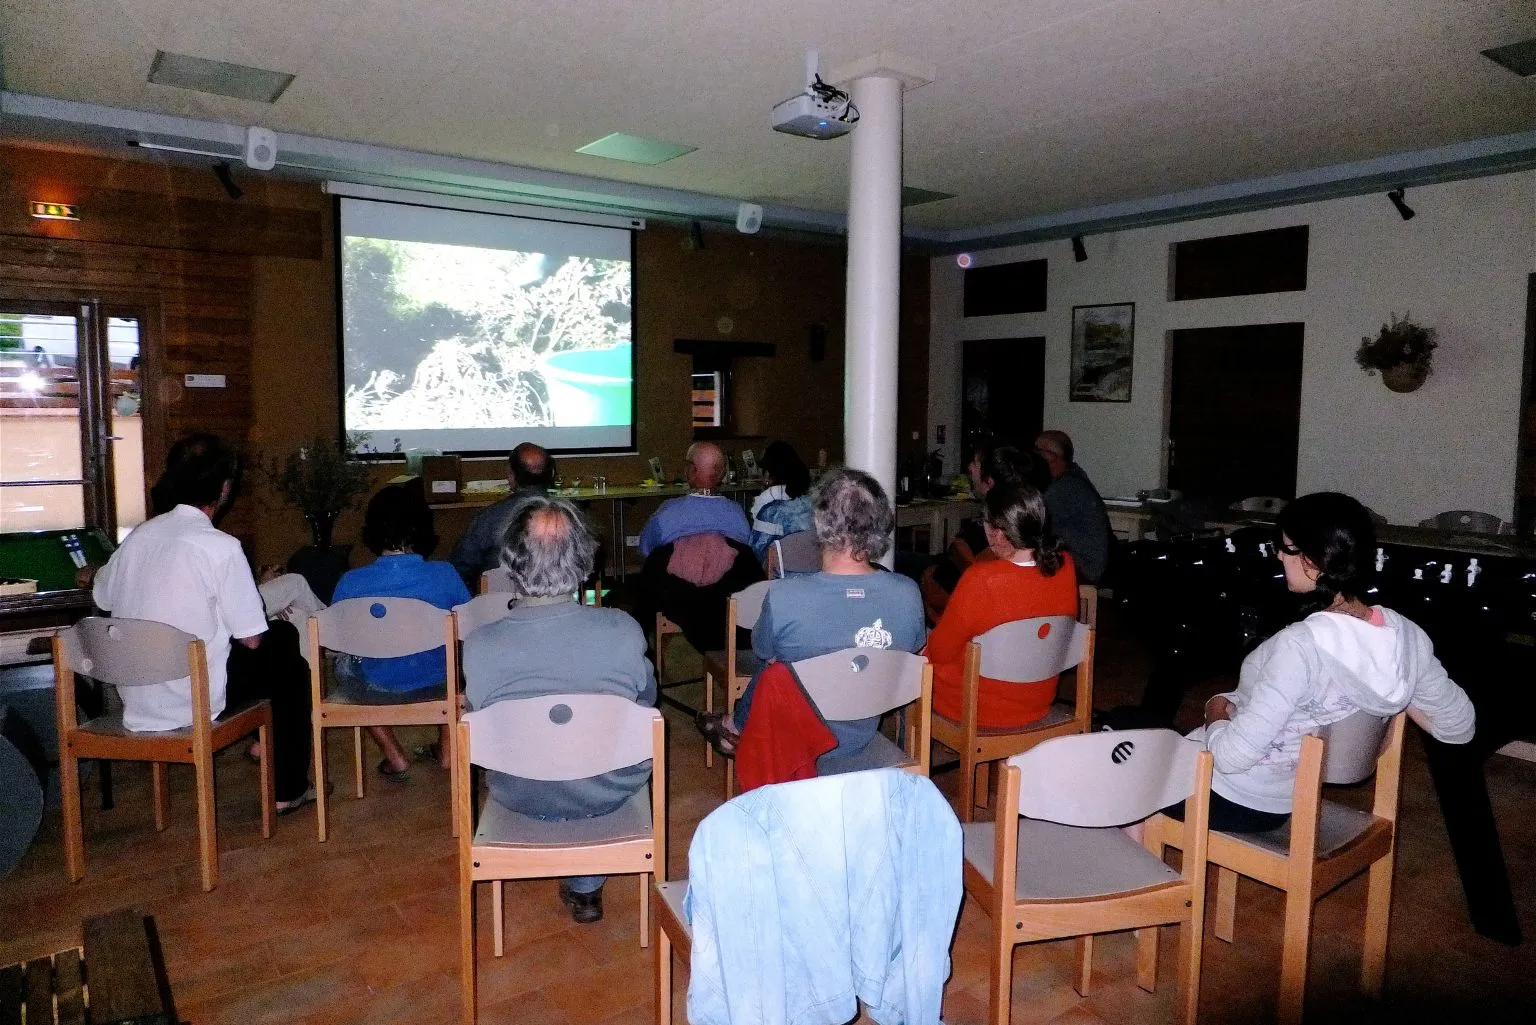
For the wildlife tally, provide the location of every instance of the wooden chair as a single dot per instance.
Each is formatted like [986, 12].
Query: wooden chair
[137, 653]
[794, 553]
[555, 738]
[483, 609]
[1088, 605]
[499, 581]
[1059, 872]
[378, 628]
[732, 667]
[1322, 847]
[665, 631]
[860, 683]
[1021, 651]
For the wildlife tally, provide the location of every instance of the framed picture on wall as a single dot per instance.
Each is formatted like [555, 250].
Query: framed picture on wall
[1102, 344]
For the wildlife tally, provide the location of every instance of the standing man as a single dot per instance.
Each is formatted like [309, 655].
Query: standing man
[530, 473]
[701, 511]
[1077, 513]
[181, 570]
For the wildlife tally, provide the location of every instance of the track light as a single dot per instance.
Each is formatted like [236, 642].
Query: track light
[1403, 209]
[226, 178]
[1079, 253]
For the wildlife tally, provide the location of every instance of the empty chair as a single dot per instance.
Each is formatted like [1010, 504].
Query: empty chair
[1322, 847]
[1266, 505]
[553, 738]
[733, 667]
[137, 653]
[1023, 651]
[1468, 522]
[377, 628]
[1052, 866]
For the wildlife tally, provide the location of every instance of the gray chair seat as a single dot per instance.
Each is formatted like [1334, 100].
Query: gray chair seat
[502, 827]
[672, 895]
[110, 724]
[1337, 826]
[879, 753]
[1059, 862]
[1059, 712]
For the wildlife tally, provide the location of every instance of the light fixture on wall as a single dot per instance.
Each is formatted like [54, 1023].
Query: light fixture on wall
[1404, 211]
[44, 211]
[226, 178]
[1079, 251]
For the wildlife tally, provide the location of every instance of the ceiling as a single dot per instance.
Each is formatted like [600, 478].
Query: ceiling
[1038, 106]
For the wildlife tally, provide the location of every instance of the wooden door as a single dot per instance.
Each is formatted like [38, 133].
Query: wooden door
[1002, 396]
[1235, 412]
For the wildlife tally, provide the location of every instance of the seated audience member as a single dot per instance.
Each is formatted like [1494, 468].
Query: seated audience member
[1345, 657]
[1077, 512]
[181, 570]
[1028, 577]
[549, 644]
[1001, 466]
[851, 603]
[784, 506]
[531, 473]
[397, 528]
[701, 511]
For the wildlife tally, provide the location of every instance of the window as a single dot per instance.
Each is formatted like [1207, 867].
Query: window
[1005, 288]
[1253, 263]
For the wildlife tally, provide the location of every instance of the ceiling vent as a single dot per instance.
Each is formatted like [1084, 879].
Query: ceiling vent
[911, 195]
[1517, 57]
[217, 77]
[636, 149]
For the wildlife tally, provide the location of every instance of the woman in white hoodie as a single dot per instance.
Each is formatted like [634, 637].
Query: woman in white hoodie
[1346, 656]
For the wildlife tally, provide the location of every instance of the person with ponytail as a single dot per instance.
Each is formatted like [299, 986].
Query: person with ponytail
[1345, 657]
[1030, 576]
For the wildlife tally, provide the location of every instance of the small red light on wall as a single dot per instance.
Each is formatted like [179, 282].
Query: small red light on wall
[54, 211]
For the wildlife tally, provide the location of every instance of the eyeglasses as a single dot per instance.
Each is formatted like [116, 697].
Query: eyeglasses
[1287, 549]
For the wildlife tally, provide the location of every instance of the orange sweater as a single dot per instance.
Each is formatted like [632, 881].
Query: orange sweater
[990, 594]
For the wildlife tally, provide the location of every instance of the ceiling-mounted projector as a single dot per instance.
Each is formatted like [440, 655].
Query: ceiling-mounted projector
[820, 112]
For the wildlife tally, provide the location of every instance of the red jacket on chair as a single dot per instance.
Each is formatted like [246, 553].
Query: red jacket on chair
[784, 734]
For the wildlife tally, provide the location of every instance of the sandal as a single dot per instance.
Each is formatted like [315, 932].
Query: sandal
[392, 774]
[712, 726]
[432, 752]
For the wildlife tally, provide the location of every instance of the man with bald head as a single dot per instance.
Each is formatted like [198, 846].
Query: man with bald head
[530, 473]
[701, 511]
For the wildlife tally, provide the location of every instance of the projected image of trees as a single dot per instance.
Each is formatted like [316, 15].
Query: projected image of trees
[443, 336]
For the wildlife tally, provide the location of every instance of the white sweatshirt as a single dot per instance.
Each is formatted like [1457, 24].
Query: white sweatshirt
[1317, 672]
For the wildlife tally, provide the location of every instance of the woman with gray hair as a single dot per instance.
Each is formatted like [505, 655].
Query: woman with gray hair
[550, 644]
[852, 603]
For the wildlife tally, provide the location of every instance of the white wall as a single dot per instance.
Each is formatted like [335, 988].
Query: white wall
[1460, 266]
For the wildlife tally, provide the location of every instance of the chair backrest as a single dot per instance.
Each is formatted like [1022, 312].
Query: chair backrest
[129, 652]
[749, 603]
[494, 581]
[1354, 744]
[798, 553]
[857, 683]
[1466, 520]
[1260, 504]
[381, 627]
[1107, 778]
[1027, 650]
[561, 736]
[482, 610]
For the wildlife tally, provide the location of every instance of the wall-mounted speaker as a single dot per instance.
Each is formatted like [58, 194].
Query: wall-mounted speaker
[260, 148]
[817, 337]
[749, 218]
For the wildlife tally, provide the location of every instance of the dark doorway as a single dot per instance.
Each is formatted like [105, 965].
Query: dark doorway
[1235, 412]
[1002, 396]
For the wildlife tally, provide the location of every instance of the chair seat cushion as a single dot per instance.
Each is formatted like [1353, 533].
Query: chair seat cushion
[1059, 862]
[672, 895]
[501, 827]
[1337, 826]
[879, 753]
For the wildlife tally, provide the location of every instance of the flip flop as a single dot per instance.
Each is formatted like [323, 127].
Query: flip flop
[392, 774]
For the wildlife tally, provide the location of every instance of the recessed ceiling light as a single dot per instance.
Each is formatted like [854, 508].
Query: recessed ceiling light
[636, 149]
[1518, 57]
[913, 196]
[218, 77]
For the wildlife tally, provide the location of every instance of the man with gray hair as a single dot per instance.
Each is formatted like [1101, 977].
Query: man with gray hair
[549, 644]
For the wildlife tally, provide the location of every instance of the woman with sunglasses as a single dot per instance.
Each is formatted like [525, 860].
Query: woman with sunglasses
[1346, 656]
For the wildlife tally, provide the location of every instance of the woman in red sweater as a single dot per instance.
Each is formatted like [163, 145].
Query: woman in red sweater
[1031, 576]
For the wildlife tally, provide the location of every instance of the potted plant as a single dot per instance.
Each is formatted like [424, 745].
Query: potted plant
[320, 480]
[1402, 351]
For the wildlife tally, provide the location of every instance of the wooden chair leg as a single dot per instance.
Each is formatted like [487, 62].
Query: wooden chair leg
[1000, 992]
[1225, 926]
[983, 796]
[268, 785]
[207, 828]
[498, 919]
[466, 945]
[661, 953]
[709, 708]
[645, 910]
[1293, 955]
[74, 830]
[318, 740]
[1081, 978]
[966, 796]
[730, 778]
[157, 788]
[357, 759]
[1378, 915]
[1146, 958]
[1191, 948]
[446, 739]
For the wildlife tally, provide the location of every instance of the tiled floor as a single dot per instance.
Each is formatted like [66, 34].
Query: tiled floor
[362, 929]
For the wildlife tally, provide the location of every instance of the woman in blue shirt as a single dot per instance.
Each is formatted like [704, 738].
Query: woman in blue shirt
[397, 527]
[784, 506]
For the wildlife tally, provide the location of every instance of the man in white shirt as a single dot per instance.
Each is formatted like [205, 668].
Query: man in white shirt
[179, 569]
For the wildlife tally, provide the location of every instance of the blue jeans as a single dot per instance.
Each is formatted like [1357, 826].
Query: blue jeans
[585, 884]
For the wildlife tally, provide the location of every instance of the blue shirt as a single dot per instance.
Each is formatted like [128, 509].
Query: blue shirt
[694, 514]
[404, 576]
[778, 518]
